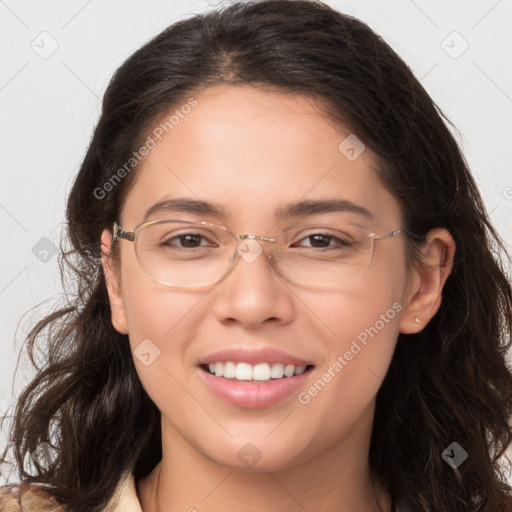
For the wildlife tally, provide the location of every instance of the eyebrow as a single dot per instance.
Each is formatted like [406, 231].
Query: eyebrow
[292, 210]
[315, 207]
[185, 205]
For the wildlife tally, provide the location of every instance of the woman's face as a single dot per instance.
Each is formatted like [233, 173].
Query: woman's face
[254, 153]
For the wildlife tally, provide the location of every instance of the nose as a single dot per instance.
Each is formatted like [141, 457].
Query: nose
[253, 293]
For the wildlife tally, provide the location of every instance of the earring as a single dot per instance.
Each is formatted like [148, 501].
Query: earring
[417, 320]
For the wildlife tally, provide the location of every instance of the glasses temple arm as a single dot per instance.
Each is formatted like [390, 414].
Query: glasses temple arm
[119, 233]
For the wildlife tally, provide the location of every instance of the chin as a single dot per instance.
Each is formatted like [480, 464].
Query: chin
[255, 456]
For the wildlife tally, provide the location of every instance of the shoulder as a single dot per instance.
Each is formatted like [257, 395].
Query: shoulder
[27, 497]
[24, 497]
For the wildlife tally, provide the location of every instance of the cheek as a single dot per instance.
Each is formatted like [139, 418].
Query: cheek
[366, 309]
[360, 326]
[161, 322]
[359, 355]
[157, 312]
[152, 310]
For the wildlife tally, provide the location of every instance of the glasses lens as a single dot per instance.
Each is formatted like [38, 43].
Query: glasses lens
[179, 253]
[324, 256]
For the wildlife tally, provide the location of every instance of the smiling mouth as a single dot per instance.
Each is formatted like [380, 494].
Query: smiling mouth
[260, 373]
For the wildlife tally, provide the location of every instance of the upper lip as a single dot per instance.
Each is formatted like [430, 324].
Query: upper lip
[253, 356]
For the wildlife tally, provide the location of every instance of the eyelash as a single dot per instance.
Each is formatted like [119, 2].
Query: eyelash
[339, 241]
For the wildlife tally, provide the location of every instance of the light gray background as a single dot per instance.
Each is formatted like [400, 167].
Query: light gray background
[50, 104]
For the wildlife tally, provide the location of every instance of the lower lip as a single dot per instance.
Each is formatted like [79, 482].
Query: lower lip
[254, 395]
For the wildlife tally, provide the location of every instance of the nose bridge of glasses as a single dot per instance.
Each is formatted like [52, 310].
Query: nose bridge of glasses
[248, 248]
[255, 237]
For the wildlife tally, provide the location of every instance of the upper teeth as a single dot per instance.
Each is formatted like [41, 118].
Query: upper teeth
[262, 371]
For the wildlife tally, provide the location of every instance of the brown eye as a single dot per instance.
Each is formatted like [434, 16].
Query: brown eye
[187, 241]
[324, 240]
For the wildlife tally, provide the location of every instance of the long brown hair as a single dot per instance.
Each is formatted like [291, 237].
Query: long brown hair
[448, 383]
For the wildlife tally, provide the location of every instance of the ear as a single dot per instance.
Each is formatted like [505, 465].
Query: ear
[112, 280]
[427, 281]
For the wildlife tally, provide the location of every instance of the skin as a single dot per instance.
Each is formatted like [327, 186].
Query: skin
[253, 151]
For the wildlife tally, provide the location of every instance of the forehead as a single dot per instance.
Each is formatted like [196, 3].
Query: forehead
[255, 151]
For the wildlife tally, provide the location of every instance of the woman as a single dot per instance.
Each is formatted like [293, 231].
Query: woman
[289, 295]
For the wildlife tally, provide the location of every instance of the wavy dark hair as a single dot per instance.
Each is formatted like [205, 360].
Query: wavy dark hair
[450, 382]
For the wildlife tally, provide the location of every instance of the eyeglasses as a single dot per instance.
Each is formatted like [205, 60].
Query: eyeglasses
[186, 253]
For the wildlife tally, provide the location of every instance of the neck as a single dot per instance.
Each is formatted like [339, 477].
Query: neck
[335, 481]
